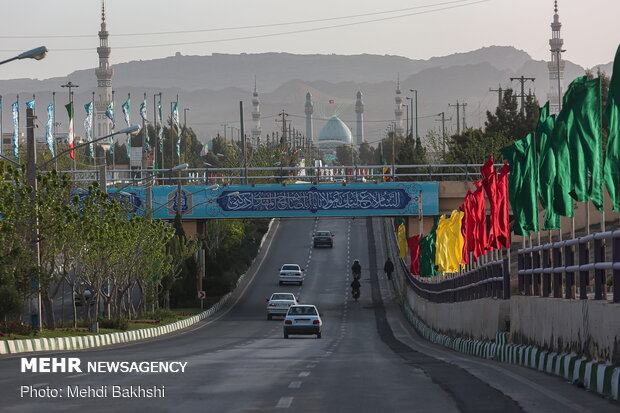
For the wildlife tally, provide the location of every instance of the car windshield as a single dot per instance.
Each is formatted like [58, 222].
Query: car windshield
[282, 297]
[302, 311]
[322, 234]
[290, 268]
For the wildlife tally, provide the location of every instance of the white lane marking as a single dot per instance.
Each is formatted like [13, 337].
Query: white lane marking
[284, 402]
[304, 374]
[77, 375]
[294, 385]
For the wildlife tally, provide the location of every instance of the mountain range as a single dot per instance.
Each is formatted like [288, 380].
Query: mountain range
[212, 86]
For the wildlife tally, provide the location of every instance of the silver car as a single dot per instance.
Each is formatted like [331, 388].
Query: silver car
[303, 319]
[291, 273]
[279, 303]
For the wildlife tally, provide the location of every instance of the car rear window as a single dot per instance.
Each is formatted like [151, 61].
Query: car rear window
[282, 297]
[322, 234]
[290, 267]
[302, 311]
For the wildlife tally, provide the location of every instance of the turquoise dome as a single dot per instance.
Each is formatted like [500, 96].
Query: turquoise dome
[335, 133]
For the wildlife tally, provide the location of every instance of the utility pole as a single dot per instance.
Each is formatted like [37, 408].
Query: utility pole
[443, 128]
[500, 92]
[243, 144]
[283, 115]
[458, 116]
[522, 80]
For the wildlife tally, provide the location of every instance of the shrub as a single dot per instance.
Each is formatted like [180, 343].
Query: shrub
[114, 323]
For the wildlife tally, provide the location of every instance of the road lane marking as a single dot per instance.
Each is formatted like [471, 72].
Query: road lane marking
[284, 402]
[304, 374]
[294, 385]
[77, 375]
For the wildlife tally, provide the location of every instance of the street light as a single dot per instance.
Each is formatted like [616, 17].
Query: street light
[36, 54]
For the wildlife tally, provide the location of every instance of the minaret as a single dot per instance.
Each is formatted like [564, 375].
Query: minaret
[104, 73]
[256, 130]
[309, 112]
[556, 65]
[359, 110]
[398, 112]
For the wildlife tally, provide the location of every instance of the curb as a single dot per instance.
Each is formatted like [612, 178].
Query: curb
[100, 340]
[602, 378]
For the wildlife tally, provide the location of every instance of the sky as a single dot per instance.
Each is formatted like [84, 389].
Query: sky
[417, 29]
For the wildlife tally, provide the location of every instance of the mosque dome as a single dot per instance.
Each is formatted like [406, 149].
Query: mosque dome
[335, 133]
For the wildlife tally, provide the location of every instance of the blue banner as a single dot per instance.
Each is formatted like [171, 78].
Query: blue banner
[15, 110]
[296, 200]
[49, 128]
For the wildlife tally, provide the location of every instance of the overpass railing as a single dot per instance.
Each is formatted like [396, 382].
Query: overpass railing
[571, 268]
[324, 174]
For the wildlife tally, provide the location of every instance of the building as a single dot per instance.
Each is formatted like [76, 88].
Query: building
[556, 65]
[398, 111]
[359, 125]
[333, 135]
[103, 125]
[256, 129]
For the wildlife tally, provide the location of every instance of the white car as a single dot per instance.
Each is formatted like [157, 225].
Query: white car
[291, 273]
[303, 319]
[279, 303]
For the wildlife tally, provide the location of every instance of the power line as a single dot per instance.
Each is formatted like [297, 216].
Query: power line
[251, 37]
[220, 29]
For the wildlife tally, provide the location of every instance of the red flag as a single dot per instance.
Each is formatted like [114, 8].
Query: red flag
[414, 252]
[331, 101]
[503, 236]
[489, 182]
[479, 211]
[467, 227]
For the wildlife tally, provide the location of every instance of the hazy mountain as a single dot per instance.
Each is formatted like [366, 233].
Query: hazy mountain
[212, 86]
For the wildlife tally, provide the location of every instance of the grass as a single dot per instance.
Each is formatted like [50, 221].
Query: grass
[148, 320]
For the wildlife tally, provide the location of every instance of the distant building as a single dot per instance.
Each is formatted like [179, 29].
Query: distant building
[256, 129]
[333, 135]
[103, 125]
[398, 111]
[359, 126]
[556, 65]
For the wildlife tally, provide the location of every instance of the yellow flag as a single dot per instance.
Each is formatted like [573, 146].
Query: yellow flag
[402, 241]
[449, 242]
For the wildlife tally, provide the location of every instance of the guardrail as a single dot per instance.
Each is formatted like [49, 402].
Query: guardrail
[324, 174]
[563, 268]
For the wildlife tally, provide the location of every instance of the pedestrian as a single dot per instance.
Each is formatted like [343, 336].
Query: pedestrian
[388, 268]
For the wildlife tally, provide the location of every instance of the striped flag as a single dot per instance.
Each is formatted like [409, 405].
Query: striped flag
[70, 137]
[15, 110]
[126, 108]
[175, 119]
[109, 112]
[147, 146]
[49, 128]
[161, 127]
[88, 125]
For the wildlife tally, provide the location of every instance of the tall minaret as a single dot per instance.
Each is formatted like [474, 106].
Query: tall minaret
[256, 130]
[359, 110]
[398, 112]
[556, 65]
[309, 112]
[104, 73]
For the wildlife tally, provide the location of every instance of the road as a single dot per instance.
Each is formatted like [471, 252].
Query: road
[369, 359]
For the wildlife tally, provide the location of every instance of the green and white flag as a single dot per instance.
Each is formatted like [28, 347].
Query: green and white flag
[88, 126]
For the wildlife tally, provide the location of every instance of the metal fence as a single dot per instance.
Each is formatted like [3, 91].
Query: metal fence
[266, 175]
[573, 267]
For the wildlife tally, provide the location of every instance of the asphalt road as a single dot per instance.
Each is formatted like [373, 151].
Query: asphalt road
[369, 359]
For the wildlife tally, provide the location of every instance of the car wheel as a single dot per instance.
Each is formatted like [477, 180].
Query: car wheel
[269, 316]
[318, 335]
[285, 335]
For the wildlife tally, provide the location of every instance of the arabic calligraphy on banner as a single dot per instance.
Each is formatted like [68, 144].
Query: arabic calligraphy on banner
[314, 200]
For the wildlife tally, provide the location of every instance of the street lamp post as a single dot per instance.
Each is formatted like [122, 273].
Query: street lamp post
[416, 113]
[36, 54]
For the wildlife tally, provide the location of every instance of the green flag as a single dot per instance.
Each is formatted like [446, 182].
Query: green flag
[580, 126]
[428, 250]
[523, 184]
[547, 167]
[612, 154]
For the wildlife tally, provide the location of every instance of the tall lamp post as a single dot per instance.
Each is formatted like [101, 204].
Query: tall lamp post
[416, 113]
[36, 54]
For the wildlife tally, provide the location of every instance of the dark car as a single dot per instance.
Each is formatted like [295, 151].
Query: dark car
[323, 239]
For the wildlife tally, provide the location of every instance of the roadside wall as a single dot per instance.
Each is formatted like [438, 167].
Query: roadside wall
[586, 327]
[479, 319]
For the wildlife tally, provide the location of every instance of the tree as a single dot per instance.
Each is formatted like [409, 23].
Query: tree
[366, 154]
[507, 121]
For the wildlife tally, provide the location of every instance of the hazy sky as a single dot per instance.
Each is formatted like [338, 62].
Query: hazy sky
[590, 29]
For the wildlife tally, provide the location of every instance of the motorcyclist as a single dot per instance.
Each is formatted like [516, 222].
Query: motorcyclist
[355, 288]
[356, 269]
[388, 268]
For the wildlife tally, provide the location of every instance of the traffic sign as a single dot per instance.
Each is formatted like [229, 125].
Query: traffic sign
[202, 295]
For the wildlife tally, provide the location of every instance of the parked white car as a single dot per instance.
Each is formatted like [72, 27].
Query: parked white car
[303, 319]
[291, 273]
[279, 303]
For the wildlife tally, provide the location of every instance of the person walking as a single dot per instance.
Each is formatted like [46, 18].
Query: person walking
[388, 268]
